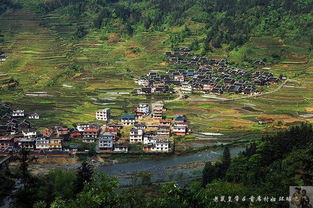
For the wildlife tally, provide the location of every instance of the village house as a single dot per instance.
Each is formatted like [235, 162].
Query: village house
[27, 144]
[157, 110]
[180, 125]
[55, 143]
[105, 142]
[81, 127]
[186, 87]
[179, 130]
[143, 82]
[103, 114]
[149, 137]
[136, 135]
[91, 133]
[164, 131]
[165, 123]
[113, 127]
[34, 116]
[122, 148]
[128, 120]
[142, 110]
[62, 131]
[18, 113]
[42, 143]
[6, 142]
[29, 133]
[159, 145]
[148, 140]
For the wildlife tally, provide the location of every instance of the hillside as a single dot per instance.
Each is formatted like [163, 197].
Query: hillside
[80, 52]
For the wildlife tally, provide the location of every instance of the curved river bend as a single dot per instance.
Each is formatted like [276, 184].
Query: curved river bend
[176, 168]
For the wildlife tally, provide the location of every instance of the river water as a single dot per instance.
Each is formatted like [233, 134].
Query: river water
[173, 168]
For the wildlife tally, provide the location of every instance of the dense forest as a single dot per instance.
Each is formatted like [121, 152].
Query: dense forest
[230, 22]
[266, 168]
[7, 4]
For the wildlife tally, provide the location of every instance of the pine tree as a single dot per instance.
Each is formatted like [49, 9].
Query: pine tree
[226, 160]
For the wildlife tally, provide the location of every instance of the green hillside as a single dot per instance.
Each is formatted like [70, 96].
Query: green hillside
[79, 52]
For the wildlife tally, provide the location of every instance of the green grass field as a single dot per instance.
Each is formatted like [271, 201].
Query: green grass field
[42, 55]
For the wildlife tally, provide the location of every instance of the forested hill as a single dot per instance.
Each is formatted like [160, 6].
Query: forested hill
[7, 4]
[231, 22]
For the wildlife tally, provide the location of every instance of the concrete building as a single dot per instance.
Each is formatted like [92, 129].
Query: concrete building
[103, 114]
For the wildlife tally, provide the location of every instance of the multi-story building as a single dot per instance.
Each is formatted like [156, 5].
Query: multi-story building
[18, 113]
[42, 143]
[180, 125]
[158, 145]
[164, 131]
[179, 130]
[136, 136]
[105, 142]
[28, 144]
[157, 110]
[161, 145]
[56, 143]
[128, 120]
[91, 133]
[103, 114]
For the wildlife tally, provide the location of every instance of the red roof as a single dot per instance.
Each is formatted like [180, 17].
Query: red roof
[76, 134]
[5, 138]
[91, 130]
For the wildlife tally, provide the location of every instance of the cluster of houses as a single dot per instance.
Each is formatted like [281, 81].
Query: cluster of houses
[17, 132]
[149, 128]
[200, 74]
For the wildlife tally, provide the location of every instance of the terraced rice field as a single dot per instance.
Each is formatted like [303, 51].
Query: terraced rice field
[42, 53]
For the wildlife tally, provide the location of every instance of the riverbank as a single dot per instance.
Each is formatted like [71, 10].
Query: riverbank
[174, 168]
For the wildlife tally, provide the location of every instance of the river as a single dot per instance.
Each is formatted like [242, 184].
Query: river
[176, 168]
[173, 168]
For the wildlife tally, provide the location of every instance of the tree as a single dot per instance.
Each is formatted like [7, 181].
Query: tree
[61, 183]
[84, 175]
[209, 173]
[24, 160]
[80, 32]
[99, 192]
[226, 159]
[195, 45]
